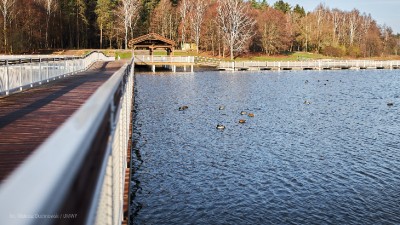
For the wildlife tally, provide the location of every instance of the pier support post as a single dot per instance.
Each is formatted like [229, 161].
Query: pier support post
[174, 68]
[184, 68]
[153, 68]
[191, 68]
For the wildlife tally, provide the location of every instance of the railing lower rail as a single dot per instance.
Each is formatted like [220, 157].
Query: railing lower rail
[19, 72]
[77, 175]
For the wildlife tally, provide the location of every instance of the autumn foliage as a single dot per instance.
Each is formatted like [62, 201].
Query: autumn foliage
[32, 25]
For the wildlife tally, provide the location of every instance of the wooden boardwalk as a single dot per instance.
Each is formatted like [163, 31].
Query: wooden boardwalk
[29, 117]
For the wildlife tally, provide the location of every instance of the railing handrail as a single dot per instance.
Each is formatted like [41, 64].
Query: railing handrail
[164, 58]
[16, 58]
[44, 180]
[18, 73]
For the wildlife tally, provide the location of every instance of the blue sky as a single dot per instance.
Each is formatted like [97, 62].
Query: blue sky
[383, 11]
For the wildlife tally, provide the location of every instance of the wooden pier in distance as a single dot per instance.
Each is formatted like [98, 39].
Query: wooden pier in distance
[309, 65]
[167, 61]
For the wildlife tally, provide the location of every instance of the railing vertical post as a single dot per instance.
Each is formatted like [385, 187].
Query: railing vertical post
[20, 74]
[7, 79]
[65, 67]
[72, 66]
[47, 70]
[54, 69]
[40, 70]
[31, 72]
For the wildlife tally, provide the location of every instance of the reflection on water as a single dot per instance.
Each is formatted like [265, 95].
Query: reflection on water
[333, 160]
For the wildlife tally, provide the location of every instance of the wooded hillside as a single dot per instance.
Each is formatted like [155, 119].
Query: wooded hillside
[221, 27]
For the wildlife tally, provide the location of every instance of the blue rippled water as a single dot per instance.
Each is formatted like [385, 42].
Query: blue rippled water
[333, 161]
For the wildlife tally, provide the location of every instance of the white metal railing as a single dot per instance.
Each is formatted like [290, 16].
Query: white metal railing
[160, 59]
[317, 64]
[17, 72]
[77, 175]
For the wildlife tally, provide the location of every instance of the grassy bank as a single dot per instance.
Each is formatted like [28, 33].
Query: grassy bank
[291, 56]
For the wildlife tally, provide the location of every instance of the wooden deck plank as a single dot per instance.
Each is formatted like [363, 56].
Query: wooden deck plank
[29, 117]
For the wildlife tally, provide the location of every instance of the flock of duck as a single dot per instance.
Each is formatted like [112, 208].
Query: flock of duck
[306, 102]
[221, 126]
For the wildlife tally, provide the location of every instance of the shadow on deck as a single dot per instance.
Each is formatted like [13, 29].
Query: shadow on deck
[29, 117]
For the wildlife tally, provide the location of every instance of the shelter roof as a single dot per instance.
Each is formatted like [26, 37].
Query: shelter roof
[151, 39]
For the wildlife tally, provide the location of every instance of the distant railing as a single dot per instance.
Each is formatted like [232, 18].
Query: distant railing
[319, 64]
[77, 176]
[161, 59]
[19, 72]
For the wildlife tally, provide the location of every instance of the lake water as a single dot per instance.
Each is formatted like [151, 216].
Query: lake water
[333, 161]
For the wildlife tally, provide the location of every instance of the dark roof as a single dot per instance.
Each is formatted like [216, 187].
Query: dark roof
[151, 39]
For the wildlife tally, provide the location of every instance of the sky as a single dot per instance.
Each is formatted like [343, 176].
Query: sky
[383, 11]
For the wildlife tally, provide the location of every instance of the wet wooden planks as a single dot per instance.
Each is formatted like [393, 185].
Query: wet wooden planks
[29, 117]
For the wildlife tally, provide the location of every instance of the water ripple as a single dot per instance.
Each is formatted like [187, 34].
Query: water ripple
[333, 161]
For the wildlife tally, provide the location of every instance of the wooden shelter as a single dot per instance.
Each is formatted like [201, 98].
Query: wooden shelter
[152, 41]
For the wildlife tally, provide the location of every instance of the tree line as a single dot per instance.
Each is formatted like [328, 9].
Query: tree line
[220, 27]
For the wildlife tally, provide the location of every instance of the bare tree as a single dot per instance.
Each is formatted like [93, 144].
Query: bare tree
[320, 13]
[50, 6]
[130, 10]
[353, 25]
[236, 24]
[164, 20]
[365, 26]
[184, 9]
[335, 17]
[198, 9]
[342, 30]
[273, 31]
[305, 30]
[6, 8]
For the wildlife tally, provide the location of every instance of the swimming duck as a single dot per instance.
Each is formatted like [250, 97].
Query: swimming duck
[243, 113]
[251, 114]
[242, 121]
[221, 107]
[390, 104]
[182, 108]
[220, 127]
[307, 102]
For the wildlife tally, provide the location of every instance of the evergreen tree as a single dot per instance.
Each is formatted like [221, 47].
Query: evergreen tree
[103, 11]
[299, 10]
[282, 6]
